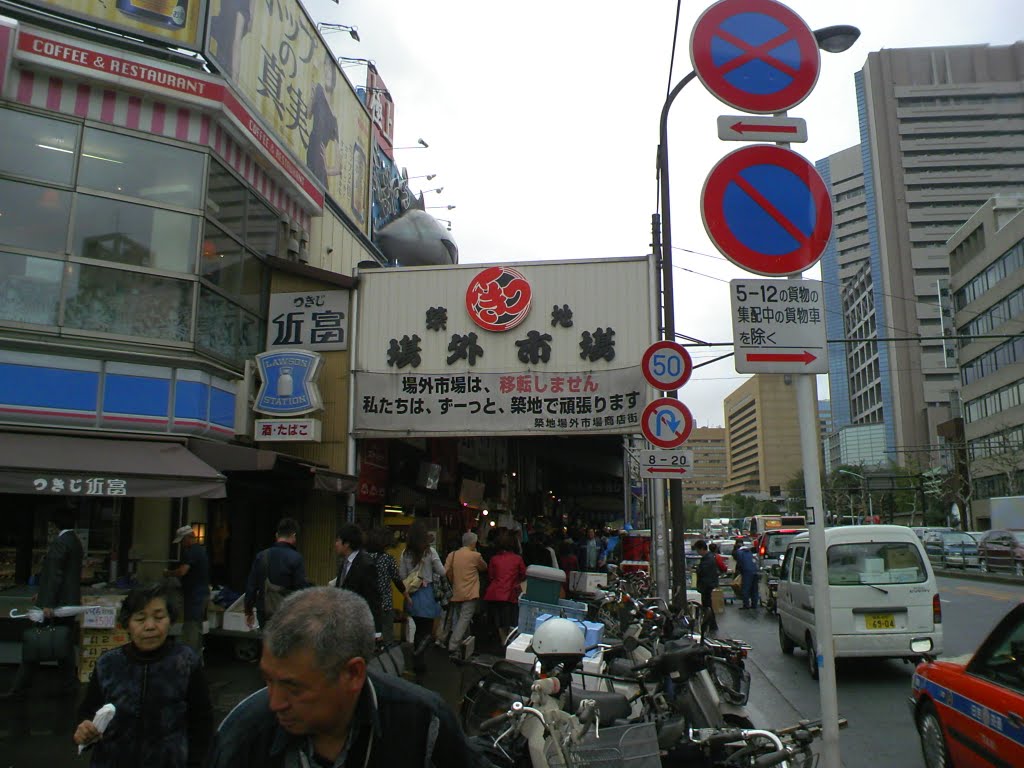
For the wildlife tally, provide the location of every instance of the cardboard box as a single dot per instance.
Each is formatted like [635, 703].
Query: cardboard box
[717, 600]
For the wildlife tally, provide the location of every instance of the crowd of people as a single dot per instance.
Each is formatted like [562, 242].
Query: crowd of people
[320, 706]
[712, 565]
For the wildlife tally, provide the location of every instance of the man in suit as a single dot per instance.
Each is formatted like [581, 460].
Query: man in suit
[60, 584]
[356, 569]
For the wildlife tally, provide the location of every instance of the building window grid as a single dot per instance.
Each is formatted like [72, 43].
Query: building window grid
[77, 262]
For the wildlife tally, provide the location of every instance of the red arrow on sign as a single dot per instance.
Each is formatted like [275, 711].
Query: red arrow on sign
[804, 357]
[742, 127]
[664, 470]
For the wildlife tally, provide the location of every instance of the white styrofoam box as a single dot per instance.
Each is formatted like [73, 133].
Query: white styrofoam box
[517, 650]
[586, 583]
[234, 617]
[545, 573]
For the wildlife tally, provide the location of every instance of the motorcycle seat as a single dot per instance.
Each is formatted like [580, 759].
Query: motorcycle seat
[611, 706]
[621, 668]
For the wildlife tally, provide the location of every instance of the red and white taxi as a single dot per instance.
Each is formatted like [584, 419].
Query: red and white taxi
[969, 711]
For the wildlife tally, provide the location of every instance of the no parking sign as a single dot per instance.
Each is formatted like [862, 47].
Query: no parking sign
[767, 210]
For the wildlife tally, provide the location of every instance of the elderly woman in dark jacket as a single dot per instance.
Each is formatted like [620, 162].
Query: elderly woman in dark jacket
[163, 716]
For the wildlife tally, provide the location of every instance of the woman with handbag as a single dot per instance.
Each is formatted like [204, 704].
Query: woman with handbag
[419, 569]
[163, 717]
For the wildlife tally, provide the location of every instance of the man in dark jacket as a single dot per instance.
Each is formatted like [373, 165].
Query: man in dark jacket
[707, 582]
[746, 566]
[60, 584]
[281, 564]
[320, 707]
[356, 570]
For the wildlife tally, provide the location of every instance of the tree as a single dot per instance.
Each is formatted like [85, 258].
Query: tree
[738, 504]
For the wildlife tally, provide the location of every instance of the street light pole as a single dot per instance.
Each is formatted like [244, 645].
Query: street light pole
[668, 317]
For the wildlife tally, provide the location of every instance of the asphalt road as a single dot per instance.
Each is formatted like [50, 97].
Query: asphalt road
[872, 694]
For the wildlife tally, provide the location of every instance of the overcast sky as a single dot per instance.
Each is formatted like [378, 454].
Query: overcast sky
[542, 120]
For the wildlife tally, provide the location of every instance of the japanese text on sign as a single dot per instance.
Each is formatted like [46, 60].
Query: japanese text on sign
[316, 320]
[292, 430]
[779, 326]
[600, 401]
[77, 486]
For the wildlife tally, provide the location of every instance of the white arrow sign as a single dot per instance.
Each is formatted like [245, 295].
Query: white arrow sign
[664, 464]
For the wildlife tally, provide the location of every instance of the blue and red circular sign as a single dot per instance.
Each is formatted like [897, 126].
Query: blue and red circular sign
[767, 210]
[666, 422]
[498, 298]
[667, 365]
[755, 55]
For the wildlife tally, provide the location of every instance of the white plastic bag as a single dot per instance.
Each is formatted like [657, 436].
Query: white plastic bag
[101, 720]
[410, 629]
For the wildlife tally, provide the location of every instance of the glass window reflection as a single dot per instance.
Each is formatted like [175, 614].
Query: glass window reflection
[29, 289]
[127, 303]
[111, 230]
[139, 168]
[225, 199]
[37, 147]
[34, 217]
[262, 228]
[221, 260]
[225, 329]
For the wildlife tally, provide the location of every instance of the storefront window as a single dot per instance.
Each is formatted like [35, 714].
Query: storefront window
[127, 303]
[225, 329]
[29, 289]
[262, 228]
[120, 164]
[110, 230]
[225, 199]
[37, 147]
[33, 217]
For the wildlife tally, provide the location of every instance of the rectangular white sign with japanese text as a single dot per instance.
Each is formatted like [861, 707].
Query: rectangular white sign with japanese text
[313, 320]
[778, 326]
[475, 349]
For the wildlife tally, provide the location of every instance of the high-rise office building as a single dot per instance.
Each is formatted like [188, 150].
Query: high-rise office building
[762, 435]
[942, 130]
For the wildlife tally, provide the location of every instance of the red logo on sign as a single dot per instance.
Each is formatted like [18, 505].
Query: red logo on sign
[498, 299]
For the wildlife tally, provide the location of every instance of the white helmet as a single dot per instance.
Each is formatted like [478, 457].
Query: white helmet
[559, 637]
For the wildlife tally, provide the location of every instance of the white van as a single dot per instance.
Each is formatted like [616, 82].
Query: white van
[882, 589]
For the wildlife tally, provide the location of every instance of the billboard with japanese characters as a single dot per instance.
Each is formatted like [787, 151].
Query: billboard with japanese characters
[177, 22]
[272, 53]
[470, 349]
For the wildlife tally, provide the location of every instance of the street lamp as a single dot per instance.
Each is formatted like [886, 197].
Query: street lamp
[834, 39]
[324, 27]
[864, 481]
[428, 177]
[420, 144]
[439, 190]
[445, 207]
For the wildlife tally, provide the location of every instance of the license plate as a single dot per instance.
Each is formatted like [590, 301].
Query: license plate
[880, 621]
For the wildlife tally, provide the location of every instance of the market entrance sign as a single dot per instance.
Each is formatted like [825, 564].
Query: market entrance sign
[755, 55]
[767, 210]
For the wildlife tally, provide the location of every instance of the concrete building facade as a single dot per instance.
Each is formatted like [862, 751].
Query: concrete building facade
[709, 473]
[987, 283]
[942, 129]
[762, 435]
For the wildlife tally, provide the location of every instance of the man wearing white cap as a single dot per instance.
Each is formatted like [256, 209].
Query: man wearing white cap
[194, 572]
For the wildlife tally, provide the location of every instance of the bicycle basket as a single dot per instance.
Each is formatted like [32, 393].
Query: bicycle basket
[623, 746]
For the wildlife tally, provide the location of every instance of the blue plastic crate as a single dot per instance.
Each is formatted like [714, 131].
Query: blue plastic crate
[529, 610]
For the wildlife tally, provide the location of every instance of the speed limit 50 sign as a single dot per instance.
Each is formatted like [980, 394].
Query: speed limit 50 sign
[667, 365]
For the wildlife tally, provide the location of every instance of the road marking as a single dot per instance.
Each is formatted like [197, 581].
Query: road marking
[982, 592]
